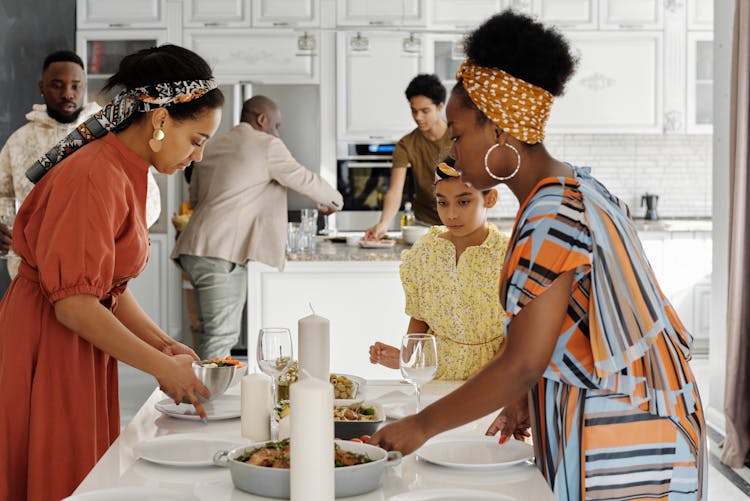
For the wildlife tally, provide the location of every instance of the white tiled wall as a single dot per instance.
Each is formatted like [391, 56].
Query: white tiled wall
[675, 167]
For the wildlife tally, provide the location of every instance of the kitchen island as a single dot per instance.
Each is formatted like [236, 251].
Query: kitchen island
[358, 290]
[120, 469]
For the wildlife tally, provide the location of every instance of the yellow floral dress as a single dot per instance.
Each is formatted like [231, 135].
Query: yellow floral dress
[458, 301]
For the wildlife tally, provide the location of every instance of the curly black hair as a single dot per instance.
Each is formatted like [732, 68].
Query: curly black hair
[428, 86]
[523, 47]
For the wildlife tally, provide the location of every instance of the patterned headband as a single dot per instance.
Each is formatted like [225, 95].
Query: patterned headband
[446, 170]
[123, 106]
[516, 106]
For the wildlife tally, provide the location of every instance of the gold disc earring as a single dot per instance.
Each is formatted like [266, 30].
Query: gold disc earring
[155, 143]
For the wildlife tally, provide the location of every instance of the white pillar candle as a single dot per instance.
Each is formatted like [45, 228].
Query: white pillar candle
[256, 402]
[313, 340]
[311, 440]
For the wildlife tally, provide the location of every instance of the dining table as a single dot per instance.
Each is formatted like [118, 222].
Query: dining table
[121, 469]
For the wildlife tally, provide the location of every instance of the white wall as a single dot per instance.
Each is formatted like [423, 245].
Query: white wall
[723, 22]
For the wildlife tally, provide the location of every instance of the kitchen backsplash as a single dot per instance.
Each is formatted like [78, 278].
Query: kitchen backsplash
[678, 168]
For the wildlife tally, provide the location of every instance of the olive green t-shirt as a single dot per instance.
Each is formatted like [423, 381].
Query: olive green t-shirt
[415, 150]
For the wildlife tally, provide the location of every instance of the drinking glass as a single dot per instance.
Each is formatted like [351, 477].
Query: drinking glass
[418, 361]
[7, 216]
[274, 353]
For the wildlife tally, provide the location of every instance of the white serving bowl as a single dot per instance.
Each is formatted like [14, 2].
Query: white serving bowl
[412, 233]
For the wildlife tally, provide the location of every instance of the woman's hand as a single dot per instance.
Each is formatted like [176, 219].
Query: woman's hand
[405, 435]
[513, 420]
[177, 348]
[5, 238]
[384, 354]
[178, 380]
[376, 232]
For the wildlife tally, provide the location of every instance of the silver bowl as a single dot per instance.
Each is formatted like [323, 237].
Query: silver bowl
[216, 379]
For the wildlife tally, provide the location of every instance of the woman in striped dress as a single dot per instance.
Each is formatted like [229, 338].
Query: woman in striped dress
[595, 358]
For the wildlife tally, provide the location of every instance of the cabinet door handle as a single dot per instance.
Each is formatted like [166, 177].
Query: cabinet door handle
[213, 24]
[118, 25]
[280, 23]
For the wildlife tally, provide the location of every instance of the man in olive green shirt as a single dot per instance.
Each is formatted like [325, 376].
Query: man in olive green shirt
[421, 149]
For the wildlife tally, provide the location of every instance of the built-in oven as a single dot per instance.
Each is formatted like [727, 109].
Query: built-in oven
[363, 178]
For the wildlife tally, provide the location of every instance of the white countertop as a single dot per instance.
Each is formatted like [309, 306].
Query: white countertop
[120, 468]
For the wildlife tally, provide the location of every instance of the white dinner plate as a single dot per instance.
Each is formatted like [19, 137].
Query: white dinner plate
[222, 407]
[376, 244]
[449, 495]
[475, 453]
[185, 449]
[131, 493]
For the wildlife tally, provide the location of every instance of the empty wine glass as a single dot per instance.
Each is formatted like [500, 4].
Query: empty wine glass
[274, 353]
[7, 216]
[418, 361]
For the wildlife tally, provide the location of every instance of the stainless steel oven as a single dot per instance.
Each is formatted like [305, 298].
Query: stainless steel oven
[363, 178]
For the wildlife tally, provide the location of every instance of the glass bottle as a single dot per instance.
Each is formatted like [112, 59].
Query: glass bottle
[407, 218]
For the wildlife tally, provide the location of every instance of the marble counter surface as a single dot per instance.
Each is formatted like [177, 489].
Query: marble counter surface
[343, 252]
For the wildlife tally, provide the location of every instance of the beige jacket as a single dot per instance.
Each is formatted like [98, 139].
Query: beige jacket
[31, 141]
[238, 194]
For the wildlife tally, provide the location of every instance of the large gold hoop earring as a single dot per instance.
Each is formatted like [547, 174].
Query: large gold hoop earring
[487, 166]
[155, 143]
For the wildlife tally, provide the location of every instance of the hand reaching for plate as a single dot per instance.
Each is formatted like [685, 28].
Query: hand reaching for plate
[384, 354]
[513, 420]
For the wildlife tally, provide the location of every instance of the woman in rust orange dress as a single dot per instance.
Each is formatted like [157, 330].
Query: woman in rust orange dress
[81, 234]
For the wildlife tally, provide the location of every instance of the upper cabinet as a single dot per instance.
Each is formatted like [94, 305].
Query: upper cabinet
[277, 13]
[617, 86]
[631, 14]
[260, 56]
[700, 81]
[121, 14]
[700, 14]
[578, 14]
[465, 14]
[219, 13]
[381, 12]
[373, 71]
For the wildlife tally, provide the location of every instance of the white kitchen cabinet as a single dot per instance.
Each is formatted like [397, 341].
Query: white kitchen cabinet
[363, 300]
[224, 13]
[569, 14]
[700, 82]
[259, 56]
[617, 87]
[119, 14]
[151, 287]
[370, 100]
[381, 12]
[464, 15]
[631, 14]
[276, 13]
[700, 14]
[443, 56]
[102, 50]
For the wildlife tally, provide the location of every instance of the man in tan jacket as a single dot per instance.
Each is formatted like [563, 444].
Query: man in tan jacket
[239, 198]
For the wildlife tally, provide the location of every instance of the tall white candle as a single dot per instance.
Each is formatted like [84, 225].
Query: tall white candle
[313, 340]
[256, 402]
[311, 440]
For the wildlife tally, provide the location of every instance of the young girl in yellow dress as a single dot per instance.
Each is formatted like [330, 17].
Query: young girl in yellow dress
[451, 277]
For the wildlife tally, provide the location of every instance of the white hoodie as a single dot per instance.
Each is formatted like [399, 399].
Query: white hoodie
[31, 141]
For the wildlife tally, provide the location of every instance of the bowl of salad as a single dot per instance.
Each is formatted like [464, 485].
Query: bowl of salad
[218, 374]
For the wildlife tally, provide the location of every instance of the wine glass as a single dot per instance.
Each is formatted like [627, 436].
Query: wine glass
[418, 360]
[274, 353]
[7, 216]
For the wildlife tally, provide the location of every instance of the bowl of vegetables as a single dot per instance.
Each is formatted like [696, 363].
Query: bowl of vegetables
[263, 468]
[355, 418]
[218, 375]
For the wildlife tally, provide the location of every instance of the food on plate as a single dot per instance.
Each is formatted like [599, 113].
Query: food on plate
[343, 387]
[353, 412]
[220, 362]
[276, 455]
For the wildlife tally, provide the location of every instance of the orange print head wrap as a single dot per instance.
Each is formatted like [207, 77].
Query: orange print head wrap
[516, 106]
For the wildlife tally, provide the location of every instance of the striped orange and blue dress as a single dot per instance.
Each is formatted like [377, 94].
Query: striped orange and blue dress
[617, 413]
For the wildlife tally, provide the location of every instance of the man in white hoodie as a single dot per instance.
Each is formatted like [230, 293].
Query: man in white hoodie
[63, 86]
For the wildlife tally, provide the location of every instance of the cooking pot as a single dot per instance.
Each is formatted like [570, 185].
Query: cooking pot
[274, 482]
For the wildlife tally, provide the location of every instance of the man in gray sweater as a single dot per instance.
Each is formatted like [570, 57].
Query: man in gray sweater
[239, 198]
